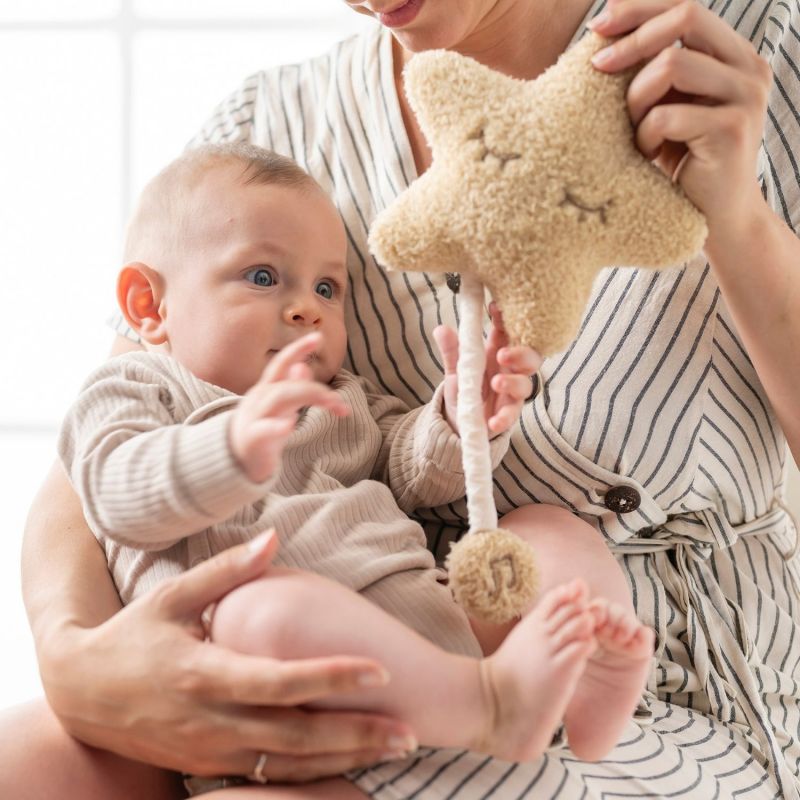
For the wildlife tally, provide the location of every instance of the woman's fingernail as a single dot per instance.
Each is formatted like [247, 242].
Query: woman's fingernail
[599, 20]
[257, 544]
[603, 56]
[393, 755]
[402, 744]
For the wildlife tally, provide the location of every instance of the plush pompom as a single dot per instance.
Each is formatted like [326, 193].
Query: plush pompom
[493, 575]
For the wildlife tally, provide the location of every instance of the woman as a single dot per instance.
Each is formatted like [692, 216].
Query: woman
[677, 387]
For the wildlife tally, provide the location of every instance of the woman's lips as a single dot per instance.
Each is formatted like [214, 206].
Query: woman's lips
[401, 16]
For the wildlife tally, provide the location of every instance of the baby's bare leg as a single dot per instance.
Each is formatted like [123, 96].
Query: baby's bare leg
[608, 691]
[39, 759]
[508, 708]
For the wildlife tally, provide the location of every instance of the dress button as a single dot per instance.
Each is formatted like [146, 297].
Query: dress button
[622, 499]
[453, 281]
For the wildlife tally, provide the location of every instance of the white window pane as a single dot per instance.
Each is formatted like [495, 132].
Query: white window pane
[180, 77]
[253, 9]
[60, 166]
[56, 10]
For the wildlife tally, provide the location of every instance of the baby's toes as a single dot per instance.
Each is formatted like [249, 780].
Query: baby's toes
[562, 602]
[642, 642]
[598, 608]
[580, 627]
[619, 626]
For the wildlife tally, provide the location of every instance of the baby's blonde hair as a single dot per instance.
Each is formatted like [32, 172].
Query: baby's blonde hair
[163, 215]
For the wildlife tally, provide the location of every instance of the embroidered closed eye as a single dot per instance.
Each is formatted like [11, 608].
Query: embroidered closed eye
[485, 150]
[585, 210]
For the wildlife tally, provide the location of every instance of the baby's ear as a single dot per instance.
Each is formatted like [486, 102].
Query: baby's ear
[450, 92]
[140, 294]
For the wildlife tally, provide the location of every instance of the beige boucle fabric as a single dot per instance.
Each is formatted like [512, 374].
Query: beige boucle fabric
[535, 186]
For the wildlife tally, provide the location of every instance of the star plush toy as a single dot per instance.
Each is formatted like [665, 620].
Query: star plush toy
[535, 187]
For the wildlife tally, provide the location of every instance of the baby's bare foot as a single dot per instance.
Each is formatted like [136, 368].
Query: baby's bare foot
[532, 676]
[610, 687]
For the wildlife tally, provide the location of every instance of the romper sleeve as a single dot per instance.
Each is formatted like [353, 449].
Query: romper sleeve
[145, 479]
[420, 458]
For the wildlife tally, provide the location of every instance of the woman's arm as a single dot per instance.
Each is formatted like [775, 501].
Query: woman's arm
[140, 680]
[710, 139]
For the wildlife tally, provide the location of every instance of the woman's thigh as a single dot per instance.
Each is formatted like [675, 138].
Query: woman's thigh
[40, 760]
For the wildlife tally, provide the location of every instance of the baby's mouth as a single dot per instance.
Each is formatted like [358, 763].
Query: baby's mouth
[311, 358]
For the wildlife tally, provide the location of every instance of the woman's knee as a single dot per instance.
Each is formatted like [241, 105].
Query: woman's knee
[567, 547]
[541, 521]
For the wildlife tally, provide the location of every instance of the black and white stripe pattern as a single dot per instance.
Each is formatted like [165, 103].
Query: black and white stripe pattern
[656, 393]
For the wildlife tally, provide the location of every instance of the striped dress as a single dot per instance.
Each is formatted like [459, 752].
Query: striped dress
[656, 394]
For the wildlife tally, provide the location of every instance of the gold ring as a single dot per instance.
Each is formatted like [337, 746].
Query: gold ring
[257, 774]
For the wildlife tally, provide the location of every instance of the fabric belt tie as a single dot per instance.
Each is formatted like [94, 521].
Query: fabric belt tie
[716, 625]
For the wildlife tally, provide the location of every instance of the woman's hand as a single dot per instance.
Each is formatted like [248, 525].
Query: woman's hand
[507, 379]
[150, 688]
[699, 110]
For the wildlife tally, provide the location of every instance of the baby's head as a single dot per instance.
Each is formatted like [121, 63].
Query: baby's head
[232, 253]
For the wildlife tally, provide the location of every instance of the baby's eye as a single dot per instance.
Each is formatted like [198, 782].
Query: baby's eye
[326, 289]
[260, 276]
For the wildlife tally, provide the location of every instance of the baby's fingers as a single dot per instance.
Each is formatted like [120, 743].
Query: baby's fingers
[505, 417]
[290, 396]
[520, 360]
[447, 342]
[513, 388]
[497, 338]
[295, 353]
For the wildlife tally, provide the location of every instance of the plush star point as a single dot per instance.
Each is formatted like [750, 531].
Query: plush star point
[535, 187]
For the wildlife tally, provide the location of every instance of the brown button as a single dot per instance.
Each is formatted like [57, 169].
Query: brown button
[453, 281]
[622, 499]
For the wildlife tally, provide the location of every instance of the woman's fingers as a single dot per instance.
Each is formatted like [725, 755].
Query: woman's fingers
[656, 24]
[690, 73]
[188, 594]
[298, 732]
[260, 681]
[288, 769]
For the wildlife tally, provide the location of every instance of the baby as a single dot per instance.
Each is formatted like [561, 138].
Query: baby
[239, 418]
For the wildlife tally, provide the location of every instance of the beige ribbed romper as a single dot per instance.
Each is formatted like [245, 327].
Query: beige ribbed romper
[146, 447]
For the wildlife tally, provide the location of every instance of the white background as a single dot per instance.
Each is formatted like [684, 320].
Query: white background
[97, 95]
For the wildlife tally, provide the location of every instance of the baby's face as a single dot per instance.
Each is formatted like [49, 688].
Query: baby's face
[263, 266]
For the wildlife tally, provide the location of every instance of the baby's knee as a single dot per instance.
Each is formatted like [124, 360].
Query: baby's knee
[265, 617]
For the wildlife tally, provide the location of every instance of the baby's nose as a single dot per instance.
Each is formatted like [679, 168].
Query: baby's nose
[303, 312]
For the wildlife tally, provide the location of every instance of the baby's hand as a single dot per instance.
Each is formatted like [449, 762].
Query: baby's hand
[268, 412]
[507, 380]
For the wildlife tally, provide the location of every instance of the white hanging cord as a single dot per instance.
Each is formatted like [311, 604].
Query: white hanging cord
[471, 423]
